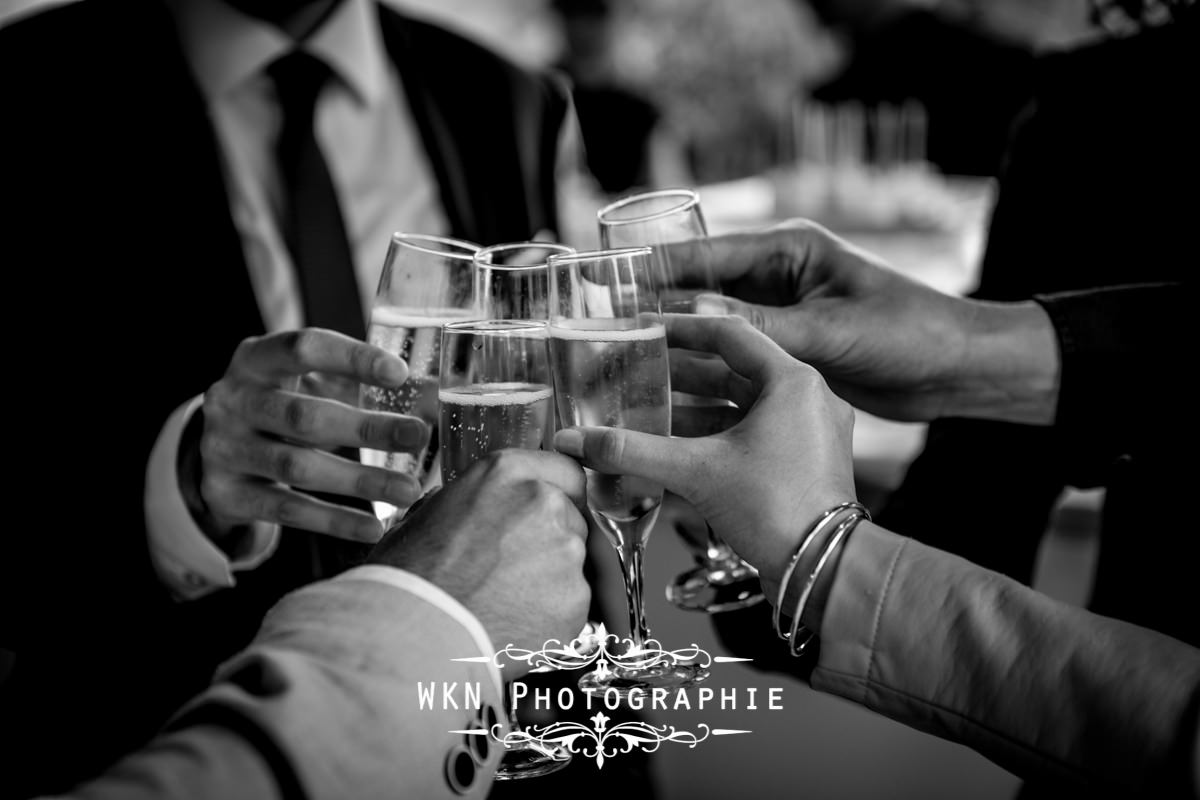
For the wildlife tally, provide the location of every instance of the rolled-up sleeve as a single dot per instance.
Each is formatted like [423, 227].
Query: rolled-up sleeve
[1041, 688]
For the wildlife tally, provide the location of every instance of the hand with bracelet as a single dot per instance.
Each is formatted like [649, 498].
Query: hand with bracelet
[798, 430]
[914, 633]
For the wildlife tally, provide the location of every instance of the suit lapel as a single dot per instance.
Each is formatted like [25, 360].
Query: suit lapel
[489, 129]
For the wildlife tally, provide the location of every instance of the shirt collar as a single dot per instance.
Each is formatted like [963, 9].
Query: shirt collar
[226, 48]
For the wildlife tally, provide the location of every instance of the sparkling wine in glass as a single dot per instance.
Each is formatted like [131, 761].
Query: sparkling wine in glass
[425, 283]
[495, 394]
[721, 581]
[608, 359]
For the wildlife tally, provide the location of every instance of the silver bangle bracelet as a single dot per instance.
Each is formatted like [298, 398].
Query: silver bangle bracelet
[843, 530]
[813, 531]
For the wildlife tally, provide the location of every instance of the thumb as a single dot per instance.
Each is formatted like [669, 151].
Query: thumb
[775, 321]
[617, 451]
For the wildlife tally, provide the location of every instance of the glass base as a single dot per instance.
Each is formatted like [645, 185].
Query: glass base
[532, 760]
[623, 680]
[716, 587]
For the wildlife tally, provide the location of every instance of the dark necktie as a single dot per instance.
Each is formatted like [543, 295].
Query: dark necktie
[312, 220]
[315, 233]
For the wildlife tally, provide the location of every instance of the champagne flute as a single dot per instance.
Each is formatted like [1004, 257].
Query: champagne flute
[425, 283]
[494, 394]
[512, 280]
[608, 358]
[721, 581]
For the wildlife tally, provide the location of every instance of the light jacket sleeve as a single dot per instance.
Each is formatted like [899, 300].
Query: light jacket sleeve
[1041, 688]
[327, 703]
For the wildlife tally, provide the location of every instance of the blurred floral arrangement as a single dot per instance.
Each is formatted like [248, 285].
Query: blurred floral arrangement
[725, 74]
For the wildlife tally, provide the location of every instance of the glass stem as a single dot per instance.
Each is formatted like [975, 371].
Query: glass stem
[513, 722]
[631, 566]
[716, 548]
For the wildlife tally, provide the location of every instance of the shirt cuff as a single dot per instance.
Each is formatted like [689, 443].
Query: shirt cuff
[853, 611]
[435, 596]
[185, 559]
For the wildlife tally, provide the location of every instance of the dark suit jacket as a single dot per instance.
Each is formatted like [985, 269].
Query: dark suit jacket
[1099, 191]
[128, 292]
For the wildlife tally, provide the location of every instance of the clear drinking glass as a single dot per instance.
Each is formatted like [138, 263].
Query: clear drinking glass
[512, 280]
[608, 359]
[494, 394]
[425, 283]
[721, 581]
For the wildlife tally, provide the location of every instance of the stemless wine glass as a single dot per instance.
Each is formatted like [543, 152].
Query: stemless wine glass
[495, 394]
[721, 581]
[608, 359]
[425, 283]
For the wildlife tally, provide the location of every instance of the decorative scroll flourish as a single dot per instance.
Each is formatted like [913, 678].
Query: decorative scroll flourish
[597, 647]
[600, 742]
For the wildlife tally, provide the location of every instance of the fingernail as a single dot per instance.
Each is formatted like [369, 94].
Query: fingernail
[569, 442]
[709, 304]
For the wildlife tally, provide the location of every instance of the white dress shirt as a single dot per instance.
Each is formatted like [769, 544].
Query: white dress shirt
[384, 183]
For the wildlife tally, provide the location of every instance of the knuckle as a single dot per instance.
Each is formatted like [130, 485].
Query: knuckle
[241, 353]
[214, 449]
[366, 361]
[288, 466]
[286, 511]
[299, 344]
[367, 429]
[216, 399]
[756, 319]
[216, 492]
[610, 447]
[575, 548]
[806, 376]
[298, 417]
[501, 462]
[740, 324]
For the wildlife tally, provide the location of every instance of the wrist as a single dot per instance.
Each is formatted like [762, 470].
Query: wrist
[806, 579]
[189, 471]
[1010, 366]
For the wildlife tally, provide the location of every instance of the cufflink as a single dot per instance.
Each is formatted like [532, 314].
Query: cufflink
[460, 770]
[464, 760]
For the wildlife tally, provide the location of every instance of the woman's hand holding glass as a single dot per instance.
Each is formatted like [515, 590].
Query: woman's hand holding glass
[761, 482]
[608, 356]
[720, 581]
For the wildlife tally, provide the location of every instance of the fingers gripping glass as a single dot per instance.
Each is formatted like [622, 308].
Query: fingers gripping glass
[721, 581]
[608, 359]
[425, 283]
[495, 394]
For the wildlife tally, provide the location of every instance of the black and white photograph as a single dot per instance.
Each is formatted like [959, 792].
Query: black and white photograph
[560, 399]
